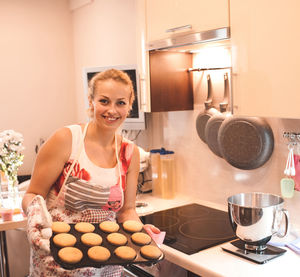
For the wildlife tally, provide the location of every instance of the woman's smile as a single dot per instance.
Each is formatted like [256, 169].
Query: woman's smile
[110, 118]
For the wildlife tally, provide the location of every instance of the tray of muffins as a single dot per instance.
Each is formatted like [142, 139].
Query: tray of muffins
[86, 244]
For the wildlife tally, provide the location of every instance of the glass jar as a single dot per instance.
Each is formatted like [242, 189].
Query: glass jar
[167, 165]
[156, 174]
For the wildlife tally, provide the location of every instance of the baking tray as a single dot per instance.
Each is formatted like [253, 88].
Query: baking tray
[113, 260]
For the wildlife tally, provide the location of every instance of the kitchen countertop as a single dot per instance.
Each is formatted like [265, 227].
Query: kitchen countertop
[19, 221]
[215, 262]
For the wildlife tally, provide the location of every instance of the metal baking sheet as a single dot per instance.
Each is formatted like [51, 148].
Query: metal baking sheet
[113, 260]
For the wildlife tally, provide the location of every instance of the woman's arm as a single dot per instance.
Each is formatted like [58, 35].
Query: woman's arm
[128, 210]
[49, 164]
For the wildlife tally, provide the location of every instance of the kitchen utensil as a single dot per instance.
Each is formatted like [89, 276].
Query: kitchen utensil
[287, 184]
[209, 111]
[113, 260]
[245, 142]
[256, 216]
[214, 123]
[297, 171]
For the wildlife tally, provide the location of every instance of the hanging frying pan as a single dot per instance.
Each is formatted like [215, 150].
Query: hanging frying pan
[209, 111]
[246, 142]
[214, 123]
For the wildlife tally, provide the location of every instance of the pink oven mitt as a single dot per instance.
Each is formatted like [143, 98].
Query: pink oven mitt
[155, 233]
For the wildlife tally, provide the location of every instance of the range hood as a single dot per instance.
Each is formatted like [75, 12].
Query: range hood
[190, 39]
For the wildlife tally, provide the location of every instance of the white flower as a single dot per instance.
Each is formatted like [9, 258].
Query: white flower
[11, 157]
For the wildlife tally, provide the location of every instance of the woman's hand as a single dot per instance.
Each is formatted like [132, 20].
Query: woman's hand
[155, 233]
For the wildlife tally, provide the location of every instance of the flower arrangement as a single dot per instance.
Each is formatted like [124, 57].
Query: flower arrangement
[11, 158]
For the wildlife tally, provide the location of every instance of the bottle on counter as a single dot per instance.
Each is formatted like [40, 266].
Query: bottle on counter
[163, 173]
[167, 165]
[156, 173]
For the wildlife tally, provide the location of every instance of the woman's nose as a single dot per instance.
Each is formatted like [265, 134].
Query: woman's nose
[112, 108]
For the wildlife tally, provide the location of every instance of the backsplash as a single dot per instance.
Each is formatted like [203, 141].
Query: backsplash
[206, 176]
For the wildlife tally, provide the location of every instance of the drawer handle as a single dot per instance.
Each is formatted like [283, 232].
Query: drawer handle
[171, 30]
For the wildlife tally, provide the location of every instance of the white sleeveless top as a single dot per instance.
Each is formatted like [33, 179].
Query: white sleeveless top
[91, 186]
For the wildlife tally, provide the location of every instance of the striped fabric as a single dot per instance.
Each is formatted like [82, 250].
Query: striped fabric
[81, 195]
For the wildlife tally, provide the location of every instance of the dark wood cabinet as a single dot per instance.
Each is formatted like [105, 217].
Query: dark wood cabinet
[171, 85]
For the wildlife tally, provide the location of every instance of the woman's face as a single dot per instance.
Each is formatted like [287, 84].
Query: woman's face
[110, 105]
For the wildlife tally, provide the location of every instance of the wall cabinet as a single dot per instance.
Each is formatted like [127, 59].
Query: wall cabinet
[202, 15]
[170, 81]
[160, 91]
[266, 58]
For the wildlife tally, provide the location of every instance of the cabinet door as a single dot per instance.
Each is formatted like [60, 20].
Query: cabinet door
[170, 82]
[265, 49]
[202, 15]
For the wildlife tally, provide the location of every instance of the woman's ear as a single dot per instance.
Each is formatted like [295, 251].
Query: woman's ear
[91, 105]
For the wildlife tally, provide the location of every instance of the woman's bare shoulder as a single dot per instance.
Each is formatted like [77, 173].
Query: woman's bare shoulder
[59, 143]
[62, 136]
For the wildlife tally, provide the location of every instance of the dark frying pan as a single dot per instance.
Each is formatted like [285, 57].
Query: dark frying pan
[209, 111]
[246, 142]
[214, 123]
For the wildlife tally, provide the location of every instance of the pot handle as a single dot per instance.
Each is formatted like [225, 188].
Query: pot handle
[286, 219]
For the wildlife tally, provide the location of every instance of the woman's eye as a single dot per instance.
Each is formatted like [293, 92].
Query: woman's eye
[103, 101]
[122, 103]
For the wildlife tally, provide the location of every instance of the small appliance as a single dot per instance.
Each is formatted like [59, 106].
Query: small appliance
[255, 217]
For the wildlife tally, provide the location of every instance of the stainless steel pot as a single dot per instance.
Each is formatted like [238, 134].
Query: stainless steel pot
[256, 216]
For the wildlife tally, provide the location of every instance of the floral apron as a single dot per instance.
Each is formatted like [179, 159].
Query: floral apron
[71, 204]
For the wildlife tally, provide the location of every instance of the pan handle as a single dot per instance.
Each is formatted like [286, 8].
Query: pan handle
[224, 104]
[208, 101]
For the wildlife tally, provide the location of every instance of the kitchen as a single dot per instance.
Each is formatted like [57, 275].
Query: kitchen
[46, 45]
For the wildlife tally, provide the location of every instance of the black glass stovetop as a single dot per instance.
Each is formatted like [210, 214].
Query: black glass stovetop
[192, 227]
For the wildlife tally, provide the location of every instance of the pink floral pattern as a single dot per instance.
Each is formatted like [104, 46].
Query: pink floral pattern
[42, 264]
[76, 172]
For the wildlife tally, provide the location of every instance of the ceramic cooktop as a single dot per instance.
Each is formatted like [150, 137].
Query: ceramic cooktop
[192, 227]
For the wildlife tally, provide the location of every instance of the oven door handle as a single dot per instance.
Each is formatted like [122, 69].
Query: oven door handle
[134, 271]
[128, 273]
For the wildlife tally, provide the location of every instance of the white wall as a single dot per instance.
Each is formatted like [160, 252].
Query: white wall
[104, 34]
[37, 70]
[44, 47]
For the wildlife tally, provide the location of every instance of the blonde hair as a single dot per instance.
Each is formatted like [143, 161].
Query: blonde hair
[111, 74]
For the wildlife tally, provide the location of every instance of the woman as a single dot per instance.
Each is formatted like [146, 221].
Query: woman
[85, 173]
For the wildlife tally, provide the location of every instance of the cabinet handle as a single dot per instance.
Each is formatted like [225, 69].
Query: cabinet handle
[143, 90]
[179, 28]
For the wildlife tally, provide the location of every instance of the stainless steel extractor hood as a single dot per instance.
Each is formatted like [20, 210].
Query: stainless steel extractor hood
[189, 39]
